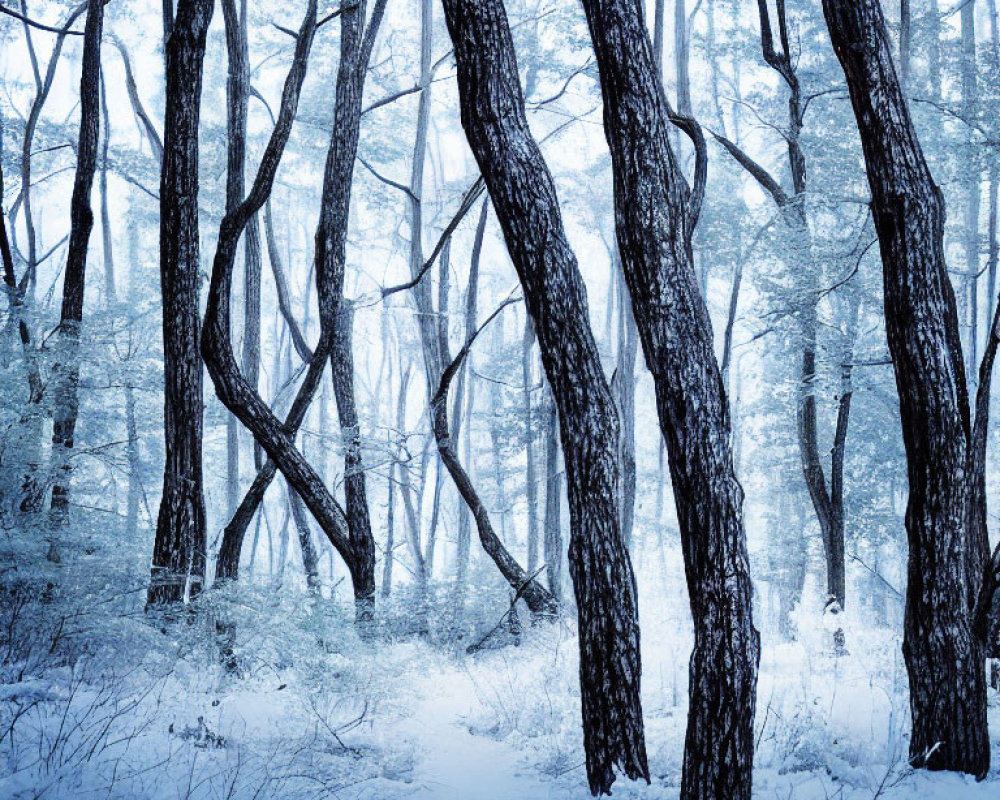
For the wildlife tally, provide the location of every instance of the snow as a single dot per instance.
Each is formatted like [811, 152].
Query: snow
[320, 712]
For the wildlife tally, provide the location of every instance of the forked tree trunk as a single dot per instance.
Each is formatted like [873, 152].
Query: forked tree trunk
[525, 201]
[655, 214]
[179, 551]
[943, 658]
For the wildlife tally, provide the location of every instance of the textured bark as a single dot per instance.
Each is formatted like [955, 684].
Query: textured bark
[358, 523]
[943, 658]
[525, 201]
[237, 102]
[178, 565]
[310, 561]
[655, 214]
[422, 291]
[331, 241]
[524, 584]
[681, 59]
[623, 388]
[66, 371]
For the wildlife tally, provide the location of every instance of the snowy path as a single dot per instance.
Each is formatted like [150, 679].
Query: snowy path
[453, 763]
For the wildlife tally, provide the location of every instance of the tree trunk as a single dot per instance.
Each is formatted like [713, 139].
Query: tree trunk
[179, 552]
[623, 388]
[553, 499]
[943, 658]
[531, 478]
[525, 201]
[465, 393]
[66, 402]
[358, 523]
[110, 294]
[655, 214]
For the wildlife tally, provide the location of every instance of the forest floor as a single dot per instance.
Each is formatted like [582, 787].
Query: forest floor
[96, 700]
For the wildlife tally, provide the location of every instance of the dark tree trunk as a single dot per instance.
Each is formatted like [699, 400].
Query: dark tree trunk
[655, 215]
[943, 658]
[179, 552]
[524, 197]
[524, 584]
[310, 561]
[66, 402]
[358, 523]
[331, 242]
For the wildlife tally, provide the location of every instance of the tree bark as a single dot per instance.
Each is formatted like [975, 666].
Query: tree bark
[525, 201]
[358, 523]
[66, 402]
[179, 551]
[943, 658]
[655, 214]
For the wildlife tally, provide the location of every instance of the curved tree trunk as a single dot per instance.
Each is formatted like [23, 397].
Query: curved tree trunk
[943, 658]
[524, 584]
[655, 215]
[179, 552]
[524, 197]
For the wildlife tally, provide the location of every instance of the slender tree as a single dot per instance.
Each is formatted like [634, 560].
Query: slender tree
[826, 496]
[66, 403]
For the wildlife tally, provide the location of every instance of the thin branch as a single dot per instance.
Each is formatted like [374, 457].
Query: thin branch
[64, 31]
[388, 181]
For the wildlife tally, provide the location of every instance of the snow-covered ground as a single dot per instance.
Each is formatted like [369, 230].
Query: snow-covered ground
[113, 706]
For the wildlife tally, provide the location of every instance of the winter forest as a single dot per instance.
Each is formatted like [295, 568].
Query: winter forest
[495, 399]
